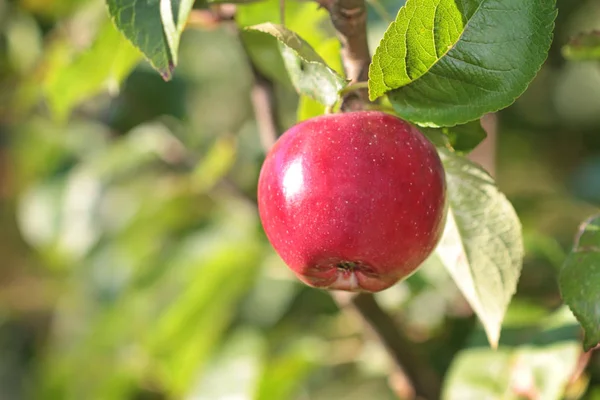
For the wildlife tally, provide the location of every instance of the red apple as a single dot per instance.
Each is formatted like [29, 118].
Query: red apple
[353, 201]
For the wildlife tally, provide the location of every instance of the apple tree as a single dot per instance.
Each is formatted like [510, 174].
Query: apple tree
[186, 167]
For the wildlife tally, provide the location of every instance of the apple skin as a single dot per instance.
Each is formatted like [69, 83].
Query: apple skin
[353, 201]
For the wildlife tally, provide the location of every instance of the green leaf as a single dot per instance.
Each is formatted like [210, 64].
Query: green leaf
[215, 164]
[310, 75]
[579, 277]
[309, 22]
[462, 138]
[447, 62]
[329, 49]
[308, 108]
[190, 329]
[482, 245]
[102, 67]
[154, 27]
[583, 47]
[537, 365]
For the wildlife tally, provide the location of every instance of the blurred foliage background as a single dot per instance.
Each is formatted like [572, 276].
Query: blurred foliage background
[133, 263]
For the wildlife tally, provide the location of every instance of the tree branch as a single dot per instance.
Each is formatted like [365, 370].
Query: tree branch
[264, 105]
[349, 18]
[262, 95]
[419, 380]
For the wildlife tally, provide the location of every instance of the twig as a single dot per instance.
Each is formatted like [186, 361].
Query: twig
[419, 379]
[263, 103]
[353, 87]
[582, 364]
[282, 12]
[262, 96]
[349, 18]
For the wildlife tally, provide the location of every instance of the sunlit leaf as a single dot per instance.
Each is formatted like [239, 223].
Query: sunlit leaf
[188, 332]
[309, 73]
[538, 364]
[217, 161]
[579, 279]
[102, 67]
[309, 22]
[24, 42]
[447, 62]
[482, 245]
[308, 108]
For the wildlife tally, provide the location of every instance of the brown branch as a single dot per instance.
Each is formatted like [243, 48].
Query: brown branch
[412, 377]
[262, 95]
[264, 105]
[349, 18]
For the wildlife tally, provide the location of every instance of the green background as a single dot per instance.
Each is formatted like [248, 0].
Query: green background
[133, 264]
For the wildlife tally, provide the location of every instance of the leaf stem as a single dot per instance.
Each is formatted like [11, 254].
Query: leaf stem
[379, 107]
[354, 87]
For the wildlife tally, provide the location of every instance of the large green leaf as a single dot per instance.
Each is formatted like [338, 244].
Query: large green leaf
[154, 27]
[309, 73]
[482, 245]
[579, 279]
[446, 62]
[536, 364]
[101, 67]
[583, 47]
